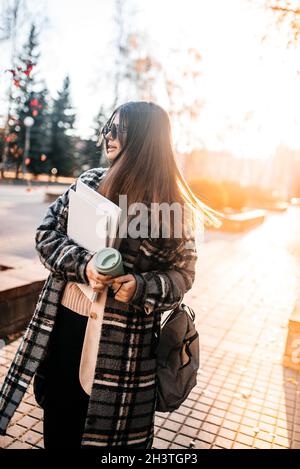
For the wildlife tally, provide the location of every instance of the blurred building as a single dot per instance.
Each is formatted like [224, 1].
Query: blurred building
[280, 172]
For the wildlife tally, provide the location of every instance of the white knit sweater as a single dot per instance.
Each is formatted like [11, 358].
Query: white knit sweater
[74, 299]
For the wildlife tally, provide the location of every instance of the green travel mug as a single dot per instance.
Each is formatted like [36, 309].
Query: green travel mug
[108, 261]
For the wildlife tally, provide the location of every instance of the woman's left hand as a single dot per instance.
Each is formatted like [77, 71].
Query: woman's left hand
[126, 285]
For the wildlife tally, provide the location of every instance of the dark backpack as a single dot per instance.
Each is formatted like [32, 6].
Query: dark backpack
[177, 358]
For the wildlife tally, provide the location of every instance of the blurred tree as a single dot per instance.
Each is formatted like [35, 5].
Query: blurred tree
[136, 70]
[28, 99]
[12, 16]
[96, 155]
[287, 12]
[15, 15]
[62, 121]
[40, 134]
[120, 50]
[142, 69]
[140, 75]
[185, 103]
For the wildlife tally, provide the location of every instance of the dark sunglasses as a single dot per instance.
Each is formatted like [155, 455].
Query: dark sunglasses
[114, 129]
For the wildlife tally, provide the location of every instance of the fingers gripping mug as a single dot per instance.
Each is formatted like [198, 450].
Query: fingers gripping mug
[108, 261]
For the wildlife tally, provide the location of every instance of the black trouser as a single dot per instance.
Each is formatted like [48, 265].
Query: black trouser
[66, 402]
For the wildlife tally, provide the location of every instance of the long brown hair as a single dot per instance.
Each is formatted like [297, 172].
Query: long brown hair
[145, 169]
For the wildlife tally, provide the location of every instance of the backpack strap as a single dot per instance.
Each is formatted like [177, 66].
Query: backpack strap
[189, 311]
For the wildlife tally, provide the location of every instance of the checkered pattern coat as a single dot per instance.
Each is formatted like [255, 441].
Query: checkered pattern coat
[123, 398]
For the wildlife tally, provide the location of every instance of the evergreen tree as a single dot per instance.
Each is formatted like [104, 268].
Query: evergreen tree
[40, 133]
[62, 121]
[97, 157]
[88, 154]
[30, 99]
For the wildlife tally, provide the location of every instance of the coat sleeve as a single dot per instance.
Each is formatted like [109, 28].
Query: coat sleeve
[163, 290]
[58, 253]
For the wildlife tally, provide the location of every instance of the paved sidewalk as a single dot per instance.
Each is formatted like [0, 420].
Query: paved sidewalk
[243, 296]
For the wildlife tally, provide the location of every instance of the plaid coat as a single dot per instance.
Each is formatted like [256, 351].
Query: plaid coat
[123, 399]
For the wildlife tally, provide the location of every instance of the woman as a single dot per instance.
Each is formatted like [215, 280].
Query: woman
[158, 272]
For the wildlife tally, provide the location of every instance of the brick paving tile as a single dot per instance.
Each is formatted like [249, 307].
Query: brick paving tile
[159, 421]
[166, 435]
[270, 410]
[30, 400]
[177, 417]
[16, 417]
[198, 444]
[221, 405]
[189, 431]
[207, 400]
[266, 436]
[267, 427]
[245, 439]
[246, 430]
[296, 436]
[226, 399]
[213, 419]
[282, 432]
[16, 431]
[37, 413]
[205, 436]
[279, 440]
[5, 441]
[172, 426]
[38, 427]
[233, 417]
[223, 442]
[27, 421]
[283, 423]
[261, 444]
[274, 446]
[19, 445]
[160, 444]
[196, 414]
[184, 411]
[40, 444]
[217, 383]
[295, 445]
[250, 422]
[251, 415]
[188, 403]
[209, 427]
[267, 419]
[230, 425]
[25, 408]
[193, 422]
[297, 428]
[217, 412]
[229, 434]
[237, 445]
[183, 440]
[31, 437]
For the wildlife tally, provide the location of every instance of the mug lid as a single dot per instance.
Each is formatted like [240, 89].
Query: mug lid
[107, 258]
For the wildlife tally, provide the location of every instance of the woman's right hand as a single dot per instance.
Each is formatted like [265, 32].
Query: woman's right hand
[97, 281]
